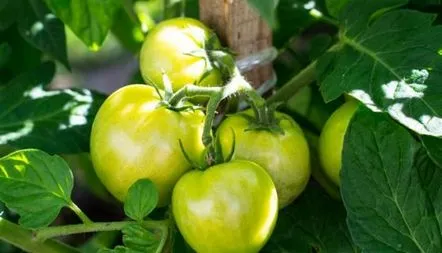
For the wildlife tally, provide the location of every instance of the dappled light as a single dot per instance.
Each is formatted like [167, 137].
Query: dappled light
[7, 137]
[411, 87]
[365, 98]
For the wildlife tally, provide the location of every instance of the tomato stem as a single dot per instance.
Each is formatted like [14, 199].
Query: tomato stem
[191, 90]
[50, 232]
[79, 213]
[303, 78]
[24, 239]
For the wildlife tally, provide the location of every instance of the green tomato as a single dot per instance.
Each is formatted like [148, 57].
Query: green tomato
[230, 207]
[331, 140]
[134, 136]
[166, 49]
[285, 156]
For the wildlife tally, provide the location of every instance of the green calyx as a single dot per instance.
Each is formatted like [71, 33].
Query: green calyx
[264, 119]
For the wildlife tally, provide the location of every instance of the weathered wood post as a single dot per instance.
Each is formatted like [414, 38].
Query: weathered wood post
[239, 26]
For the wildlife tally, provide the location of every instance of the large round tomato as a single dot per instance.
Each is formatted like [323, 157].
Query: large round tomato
[176, 47]
[331, 140]
[284, 156]
[230, 207]
[134, 136]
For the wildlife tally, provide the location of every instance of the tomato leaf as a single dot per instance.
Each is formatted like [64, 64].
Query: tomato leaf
[267, 10]
[90, 20]
[313, 223]
[137, 239]
[35, 185]
[434, 148]
[390, 187]
[141, 200]
[391, 61]
[39, 27]
[56, 121]
[334, 7]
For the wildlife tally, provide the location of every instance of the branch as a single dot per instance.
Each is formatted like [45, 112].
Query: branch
[25, 240]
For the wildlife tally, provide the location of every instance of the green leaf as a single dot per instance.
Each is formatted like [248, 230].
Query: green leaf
[400, 76]
[5, 53]
[141, 200]
[35, 185]
[43, 30]
[8, 13]
[24, 57]
[90, 20]
[434, 148]
[292, 17]
[137, 239]
[390, 187]
[56, 121]
[334, 7]
[267, 10]
[313, 223]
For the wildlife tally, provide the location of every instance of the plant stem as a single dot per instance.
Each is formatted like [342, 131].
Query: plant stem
[49, 232]
[235, 85]
[191, 90]
[303, 78]
[79, 213]
[25, 240]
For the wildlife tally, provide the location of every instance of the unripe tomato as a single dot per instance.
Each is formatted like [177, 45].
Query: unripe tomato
[285, 156]
[134, 136]
[331, 140]
[230, 207]
[167, 48]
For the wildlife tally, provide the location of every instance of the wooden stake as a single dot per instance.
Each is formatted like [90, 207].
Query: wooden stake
[241, 29]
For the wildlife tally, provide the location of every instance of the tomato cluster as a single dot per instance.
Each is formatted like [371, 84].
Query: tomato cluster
[228, 207]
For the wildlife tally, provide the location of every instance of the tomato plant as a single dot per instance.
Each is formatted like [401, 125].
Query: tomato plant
[339, 150]
[285, 155]
[212, 208]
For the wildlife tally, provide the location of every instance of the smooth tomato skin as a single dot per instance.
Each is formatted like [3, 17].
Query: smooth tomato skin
[285, 157]
[165, 49]
[331, 140]
[133, 137]
[230, 207]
